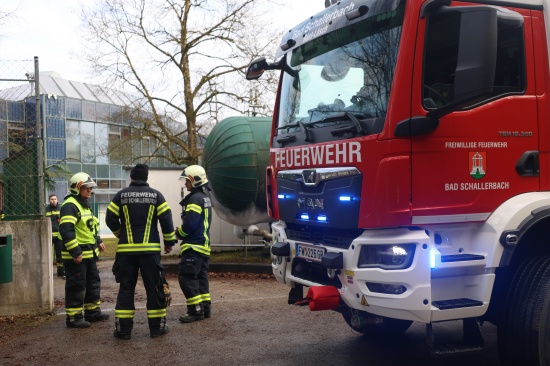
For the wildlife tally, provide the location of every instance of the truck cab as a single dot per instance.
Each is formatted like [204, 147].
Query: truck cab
[409, 165]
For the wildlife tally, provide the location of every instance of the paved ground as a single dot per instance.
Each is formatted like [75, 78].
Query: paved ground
[251, 325]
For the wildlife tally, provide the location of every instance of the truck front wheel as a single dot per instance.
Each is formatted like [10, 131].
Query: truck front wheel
[524, 330]
[373, 325]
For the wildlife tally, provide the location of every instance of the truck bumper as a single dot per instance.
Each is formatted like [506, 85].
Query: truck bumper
[406, 293]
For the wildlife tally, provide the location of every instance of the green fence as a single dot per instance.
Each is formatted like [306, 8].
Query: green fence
[21, 145]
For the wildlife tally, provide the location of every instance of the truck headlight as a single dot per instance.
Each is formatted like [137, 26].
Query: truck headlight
[389, 256]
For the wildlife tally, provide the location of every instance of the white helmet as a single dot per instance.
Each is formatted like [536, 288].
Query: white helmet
[195, 174]
[78, 180]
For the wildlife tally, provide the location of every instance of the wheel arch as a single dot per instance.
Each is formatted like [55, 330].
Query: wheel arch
[524, 226]
[530, 238]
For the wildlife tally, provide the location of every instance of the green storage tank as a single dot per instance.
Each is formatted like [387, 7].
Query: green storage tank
[236, 154]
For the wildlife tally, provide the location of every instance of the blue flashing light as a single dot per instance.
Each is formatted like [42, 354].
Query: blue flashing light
[322, 218]
[304, 216]
[281, 196]
[432, 258]
[345, 198]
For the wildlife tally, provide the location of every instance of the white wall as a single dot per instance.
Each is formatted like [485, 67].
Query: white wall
[31, 291]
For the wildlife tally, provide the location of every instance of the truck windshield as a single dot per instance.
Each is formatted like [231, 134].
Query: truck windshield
[348, 71]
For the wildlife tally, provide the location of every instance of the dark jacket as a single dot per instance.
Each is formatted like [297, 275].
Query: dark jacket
[53, 213]
[133, 216]
[197, 218]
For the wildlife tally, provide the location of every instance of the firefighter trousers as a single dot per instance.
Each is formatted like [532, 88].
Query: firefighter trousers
[82, 288]
[56, 243]
[127, 269]
[193, 279]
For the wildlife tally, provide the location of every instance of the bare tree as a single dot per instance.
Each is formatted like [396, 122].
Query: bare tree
[6, 16]
[182, 59]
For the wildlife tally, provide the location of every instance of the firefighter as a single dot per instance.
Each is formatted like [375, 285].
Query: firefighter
[78, 228]
[195, 245]
[133, 216]
[52, 211]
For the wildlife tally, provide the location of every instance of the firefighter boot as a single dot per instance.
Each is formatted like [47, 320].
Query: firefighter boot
[96, 316]
[123, 328]
[207, 309]
[194, 313]
[157, 327]
[77, 321]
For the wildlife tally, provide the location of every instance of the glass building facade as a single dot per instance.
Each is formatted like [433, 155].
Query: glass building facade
[84, 130]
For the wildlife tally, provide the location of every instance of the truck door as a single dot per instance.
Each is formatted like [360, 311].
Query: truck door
[486, 150]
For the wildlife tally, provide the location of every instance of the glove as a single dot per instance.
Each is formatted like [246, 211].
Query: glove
[163, 292]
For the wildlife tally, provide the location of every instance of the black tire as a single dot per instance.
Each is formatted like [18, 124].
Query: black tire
[524, 331]
[377, 326]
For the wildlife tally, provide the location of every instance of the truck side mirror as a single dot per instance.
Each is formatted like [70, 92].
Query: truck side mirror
[256, 69]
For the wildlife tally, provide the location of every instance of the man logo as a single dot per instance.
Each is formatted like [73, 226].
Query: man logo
[310, 177]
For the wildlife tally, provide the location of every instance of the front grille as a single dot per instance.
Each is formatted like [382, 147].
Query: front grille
[337, 238]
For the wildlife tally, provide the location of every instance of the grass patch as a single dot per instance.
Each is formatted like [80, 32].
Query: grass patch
[250, 255]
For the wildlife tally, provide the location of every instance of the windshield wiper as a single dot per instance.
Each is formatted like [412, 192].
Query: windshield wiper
[303, 127]
[356, 128]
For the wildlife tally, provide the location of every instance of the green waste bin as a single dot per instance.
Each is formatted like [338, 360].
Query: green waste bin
[6, 267]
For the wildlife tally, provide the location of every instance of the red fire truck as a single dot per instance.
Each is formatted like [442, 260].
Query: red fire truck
[409, 170]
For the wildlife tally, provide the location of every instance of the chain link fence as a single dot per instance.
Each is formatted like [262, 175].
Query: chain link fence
[21, 144]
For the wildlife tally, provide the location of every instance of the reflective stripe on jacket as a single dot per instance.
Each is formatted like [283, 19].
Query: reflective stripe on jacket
[197, 218]
[133, 216]
[53, 213]
[78, 228]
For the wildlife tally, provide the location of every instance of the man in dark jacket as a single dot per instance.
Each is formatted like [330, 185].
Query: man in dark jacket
[78, 228]
[195, 245]
[133, 216]
[52, 211]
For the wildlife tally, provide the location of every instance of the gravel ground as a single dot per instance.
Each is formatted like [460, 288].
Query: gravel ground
[251, 324]
[43, 340]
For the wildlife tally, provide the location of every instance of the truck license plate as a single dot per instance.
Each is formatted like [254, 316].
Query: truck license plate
[310, 252]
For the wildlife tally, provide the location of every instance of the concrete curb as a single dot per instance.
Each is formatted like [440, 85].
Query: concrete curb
[228, 267]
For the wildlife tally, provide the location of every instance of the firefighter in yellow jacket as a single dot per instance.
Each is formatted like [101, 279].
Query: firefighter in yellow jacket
[78, 228]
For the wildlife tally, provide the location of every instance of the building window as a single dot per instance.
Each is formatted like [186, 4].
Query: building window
[55, 149]
[102, 143]
[16, 111]
[115, 171]
[73, 140]
[103, 171]
[74, 108]
[116, 184]
[55, 127]
[102, 183]
[55, 106]
[102, 112]
[88, 111]
[87, 130]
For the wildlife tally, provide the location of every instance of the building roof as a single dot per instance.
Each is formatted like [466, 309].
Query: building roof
[53, 85]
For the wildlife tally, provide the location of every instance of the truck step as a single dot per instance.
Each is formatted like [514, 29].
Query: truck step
[456, 303]
[461, 258]
[451, 349]
[472, 340]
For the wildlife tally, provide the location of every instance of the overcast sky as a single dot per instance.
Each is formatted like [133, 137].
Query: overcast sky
[49, 30]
